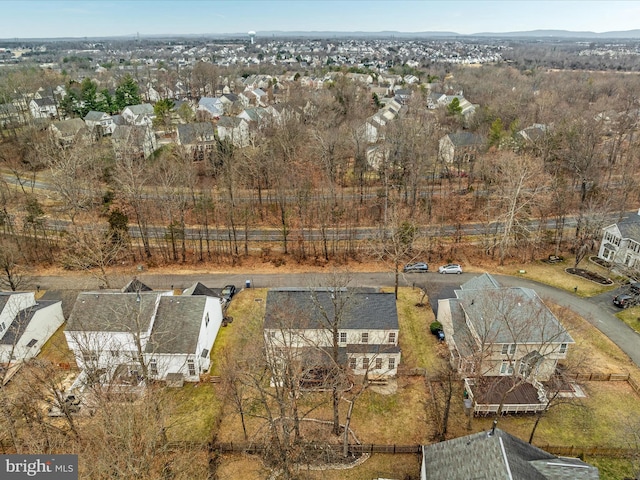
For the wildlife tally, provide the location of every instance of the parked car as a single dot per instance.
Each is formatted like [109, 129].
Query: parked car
[450, 268]
[624, 300]
[228, 291]
[634, 287]
[416, 267]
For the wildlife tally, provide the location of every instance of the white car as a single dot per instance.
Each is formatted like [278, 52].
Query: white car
[450, 268]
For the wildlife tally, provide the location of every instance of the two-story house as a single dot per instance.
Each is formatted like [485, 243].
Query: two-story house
[99, 122]
[198, 138]
[134, 141]
[235, 130]
[141, 332]
[460, 148]
[621, 242]
[366, 322]
[26, 325]
[139, 115]
[502, 339]
[45, 107]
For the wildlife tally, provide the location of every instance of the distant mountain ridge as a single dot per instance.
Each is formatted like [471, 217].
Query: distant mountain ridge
[626, 34]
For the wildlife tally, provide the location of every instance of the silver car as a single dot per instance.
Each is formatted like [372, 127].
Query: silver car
[450, 268]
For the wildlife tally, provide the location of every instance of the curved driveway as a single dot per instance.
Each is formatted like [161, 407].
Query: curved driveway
[597, 310]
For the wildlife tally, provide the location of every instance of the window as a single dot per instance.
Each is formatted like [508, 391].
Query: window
[343, 337]
[32, 342]
[2, 327]
[114, 353]
[392, 337]
[206, 320]
[353, 363]
[378, 363]
[153, 367]
[563, 348]
[506, 368]
[508, 349]
[392, 363]
[192, 367]
[89, 357]
[365, 337]
[365, 363]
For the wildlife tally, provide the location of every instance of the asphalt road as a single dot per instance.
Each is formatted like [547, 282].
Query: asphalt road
[598, 310]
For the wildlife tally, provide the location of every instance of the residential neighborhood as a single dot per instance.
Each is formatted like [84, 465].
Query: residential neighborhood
[317, 255]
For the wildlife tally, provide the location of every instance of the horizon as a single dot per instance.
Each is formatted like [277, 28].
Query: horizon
[53, 19]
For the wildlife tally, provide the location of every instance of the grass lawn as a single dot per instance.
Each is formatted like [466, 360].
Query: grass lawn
[555, 275]
[631, 316]
[612, 468]
[56, 349]
[197, 407]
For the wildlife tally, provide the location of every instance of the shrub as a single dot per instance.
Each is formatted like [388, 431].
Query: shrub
[434, 327]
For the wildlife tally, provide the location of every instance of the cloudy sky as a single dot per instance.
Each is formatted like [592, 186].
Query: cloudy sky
[80, 18]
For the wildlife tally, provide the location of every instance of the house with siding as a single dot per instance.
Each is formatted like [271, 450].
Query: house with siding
[504, 341]
[166, 334]
[620, 242]
[25, 325]
[368, 327]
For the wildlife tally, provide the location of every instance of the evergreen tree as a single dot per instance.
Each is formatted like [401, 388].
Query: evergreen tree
[127, 93]
[454, 107]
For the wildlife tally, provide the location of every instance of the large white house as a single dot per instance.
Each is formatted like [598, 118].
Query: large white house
[130, 332]
[26, 325]
[367, 326]
[621, 242]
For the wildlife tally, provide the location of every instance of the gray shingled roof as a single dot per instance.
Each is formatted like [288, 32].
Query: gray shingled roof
[499, 456]
[94, 116]
[135, 285]
[484, 281]
[511, 315]
[200, 289]
[69, 127]
[177, 325]
[363, 311]
[465, 139]
[629, 226]
[141, 109]
[192, 133]
[462, 337]
[113, 312]
[21, 322]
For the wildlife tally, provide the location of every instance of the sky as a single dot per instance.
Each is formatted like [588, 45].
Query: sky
[82, 18]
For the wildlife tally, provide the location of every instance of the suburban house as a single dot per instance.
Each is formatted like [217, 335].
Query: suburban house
[620, 242]
[504, 341]
[367, 333]
[100, 122]
[10, 116]
[45, 107]
[198, 138]
[460, 148]
[499, 456]
[122, 334]
[139, 115]
[234, 129]
[136, 141]
[211, 107]
[68, 131]
[25, 325]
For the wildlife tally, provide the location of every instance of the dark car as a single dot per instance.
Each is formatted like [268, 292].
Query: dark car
[416, 267]
[624, 300]
[634, 287]
[228, 292]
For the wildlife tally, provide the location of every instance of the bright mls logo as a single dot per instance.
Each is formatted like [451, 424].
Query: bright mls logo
[52, 467]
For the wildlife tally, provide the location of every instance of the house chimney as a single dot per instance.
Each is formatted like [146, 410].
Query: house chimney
[491, 432]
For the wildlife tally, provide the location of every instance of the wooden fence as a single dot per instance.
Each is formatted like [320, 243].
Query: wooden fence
[598, 377]
[560, 450]
[353, 448]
